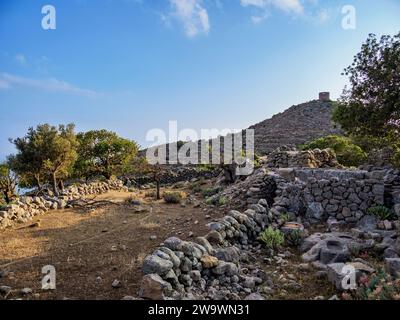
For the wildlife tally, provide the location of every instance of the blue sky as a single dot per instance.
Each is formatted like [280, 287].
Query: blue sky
[133, 65]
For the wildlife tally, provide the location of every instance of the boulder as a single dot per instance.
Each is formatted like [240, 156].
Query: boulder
[155, 264]
[173, 243]
[227, 268]
[229, 254]
[254, 297]
[153, 287]
[315, 211]
[214, 237]
[393, 266]
[368, 223]
[209, 262]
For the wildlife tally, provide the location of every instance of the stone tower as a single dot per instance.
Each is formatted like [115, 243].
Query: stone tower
[324, 96]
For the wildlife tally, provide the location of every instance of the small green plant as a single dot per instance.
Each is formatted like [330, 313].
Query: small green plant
[355, 250]
[284, 217]
[216, 201]
[196, 187]
[377, 286]
[209, 192]
[381, 212]
[294, 238]
[272, 238]
[206, 167]
[172, 197]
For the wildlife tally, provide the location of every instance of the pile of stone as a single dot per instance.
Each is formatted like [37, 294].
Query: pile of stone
[171, 174]
[26, 208]
[260, 185]
[211, 267]
[334, 253]
[290, 157]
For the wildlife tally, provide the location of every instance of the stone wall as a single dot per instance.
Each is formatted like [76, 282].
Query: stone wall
[346, 195]
[27, 207]
[174, 174]
[211, 267]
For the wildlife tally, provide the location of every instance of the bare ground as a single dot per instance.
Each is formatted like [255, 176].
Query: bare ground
[92, 249]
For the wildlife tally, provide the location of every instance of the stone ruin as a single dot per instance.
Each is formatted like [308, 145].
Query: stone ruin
[324, 96]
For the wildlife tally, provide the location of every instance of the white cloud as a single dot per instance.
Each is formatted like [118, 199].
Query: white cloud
[20, 58]
[288, 6]
[293, 6]
[9, 81]
[192, 14]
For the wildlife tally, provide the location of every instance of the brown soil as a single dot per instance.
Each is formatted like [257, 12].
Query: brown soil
[109, 243]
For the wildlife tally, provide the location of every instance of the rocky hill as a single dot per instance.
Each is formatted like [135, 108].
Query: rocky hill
[297, 125]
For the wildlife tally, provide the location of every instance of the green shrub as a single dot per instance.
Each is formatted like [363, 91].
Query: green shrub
[216, 201]
[381, 212]
[294, 238]
[347, 153]
[285, 217]
[206, 167]
[272, 238]
[196, 187]
[209, 192]
[172, 197]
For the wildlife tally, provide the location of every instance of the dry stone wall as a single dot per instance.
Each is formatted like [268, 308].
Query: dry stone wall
[344, 195]
[27, 207]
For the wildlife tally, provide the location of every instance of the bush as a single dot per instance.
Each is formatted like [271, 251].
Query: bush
[294, 238]
[196, 187]
[347, 153]
[272, 238]
[381, 212]
[209, 192]
[378, 286]
[216, 201]
[172, 197]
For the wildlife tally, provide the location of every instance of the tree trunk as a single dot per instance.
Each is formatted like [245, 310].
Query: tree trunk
[6, 196]
[61, 185]
[158, 189]
[55, 189]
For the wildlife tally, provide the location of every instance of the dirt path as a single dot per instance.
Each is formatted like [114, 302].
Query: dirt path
[91, 250]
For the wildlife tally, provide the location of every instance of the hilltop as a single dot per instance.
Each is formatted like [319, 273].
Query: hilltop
[297, 125]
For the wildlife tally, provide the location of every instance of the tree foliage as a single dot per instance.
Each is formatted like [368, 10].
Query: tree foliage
[371, 107]
[45, 154]
[102, 152]
[347, 153]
